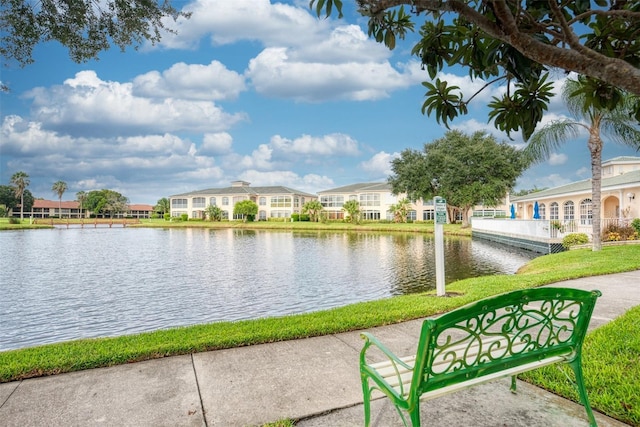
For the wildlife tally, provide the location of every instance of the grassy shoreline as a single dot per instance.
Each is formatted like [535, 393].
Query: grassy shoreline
[415, 227]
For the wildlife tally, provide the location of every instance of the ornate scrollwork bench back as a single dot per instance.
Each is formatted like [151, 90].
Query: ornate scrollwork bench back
[499, 336]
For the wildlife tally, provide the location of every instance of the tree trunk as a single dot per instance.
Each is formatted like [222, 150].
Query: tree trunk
[595, 148]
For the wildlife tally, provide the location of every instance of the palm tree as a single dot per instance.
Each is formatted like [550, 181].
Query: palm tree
[214, 213]
[597, 105]
[400, 210]
[162, 206]
[313, 208]
[352, 207]
[59, 187]
[81, 197]
[21, 181]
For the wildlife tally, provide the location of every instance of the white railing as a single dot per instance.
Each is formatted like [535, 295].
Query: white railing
[540, 228]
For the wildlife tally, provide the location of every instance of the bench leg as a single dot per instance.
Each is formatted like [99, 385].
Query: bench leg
[366, 394]
[576, 365]
[513, 384]
[415, 415]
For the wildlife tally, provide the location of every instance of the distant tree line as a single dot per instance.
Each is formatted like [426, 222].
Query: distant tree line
[98, 202]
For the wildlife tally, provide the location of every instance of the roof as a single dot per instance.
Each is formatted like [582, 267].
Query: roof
[242, 190]
[360, 188]
[54, 204]
[140, 207]
[622, 159]
[625, 179]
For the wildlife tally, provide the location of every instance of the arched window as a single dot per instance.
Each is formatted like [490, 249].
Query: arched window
[542, 211]
[553, 211]
[586, 212]
[569, 213]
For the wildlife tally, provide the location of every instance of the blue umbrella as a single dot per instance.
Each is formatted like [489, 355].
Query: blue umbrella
[513, 211]
[536, 210]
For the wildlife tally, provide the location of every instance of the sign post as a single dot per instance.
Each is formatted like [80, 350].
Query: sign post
[440, 205]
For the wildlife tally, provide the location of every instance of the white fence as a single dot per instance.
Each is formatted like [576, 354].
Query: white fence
[528, 228]
[539, 229]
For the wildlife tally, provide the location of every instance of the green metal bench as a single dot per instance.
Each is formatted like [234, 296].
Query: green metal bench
[492, 338]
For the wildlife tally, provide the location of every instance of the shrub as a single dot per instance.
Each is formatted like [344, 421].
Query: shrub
[574, 239]
[305, 217]
[167, 216]
[636, 225]
[13, 220]
[616, 232]
[295, 217]
[184, 217]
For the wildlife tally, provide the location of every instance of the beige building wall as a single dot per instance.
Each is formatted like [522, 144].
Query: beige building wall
[571, 204]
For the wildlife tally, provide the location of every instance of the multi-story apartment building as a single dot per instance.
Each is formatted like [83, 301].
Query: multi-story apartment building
[375, 199]
[272, 201]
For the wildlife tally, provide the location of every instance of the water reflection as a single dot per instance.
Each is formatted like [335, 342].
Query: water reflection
[65, 284]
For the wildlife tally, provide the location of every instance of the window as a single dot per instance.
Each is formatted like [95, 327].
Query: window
[553, 211]
[225, 201]
[370, 199]
[296, 202]
[179, 203]
[262, 201]
[262, 215]
[542, 210]
[370, 215]
[237, 199]
[199, 202]
[353, 197]
[280, 214]
[568, 211]
[280, 202]
[411, 216]
[586, 212]
[333, 201]
[428, 215]
[333, 215]
[212, 201]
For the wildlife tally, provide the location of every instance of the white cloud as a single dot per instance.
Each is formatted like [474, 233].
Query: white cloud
[190, 81]
[379, 164]
[227, 22]
[216, 143]
[86, 104]
[275, 73]
[310, 183]
[556, 159]
[584, 172]
[552, 180]
[327, 145]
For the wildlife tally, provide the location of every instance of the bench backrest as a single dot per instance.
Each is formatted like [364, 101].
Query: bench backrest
[501, 332]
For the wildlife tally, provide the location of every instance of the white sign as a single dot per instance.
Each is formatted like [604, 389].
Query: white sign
[441, 218]
[441, 210]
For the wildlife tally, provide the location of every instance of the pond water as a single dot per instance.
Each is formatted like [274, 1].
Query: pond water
[64, 284]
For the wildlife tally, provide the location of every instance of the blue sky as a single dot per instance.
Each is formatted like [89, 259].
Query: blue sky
[252, 90]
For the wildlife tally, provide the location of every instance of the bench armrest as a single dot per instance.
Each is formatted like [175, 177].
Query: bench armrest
[399, 367]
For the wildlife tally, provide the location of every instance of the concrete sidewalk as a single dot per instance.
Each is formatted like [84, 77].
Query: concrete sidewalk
[314, 380]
